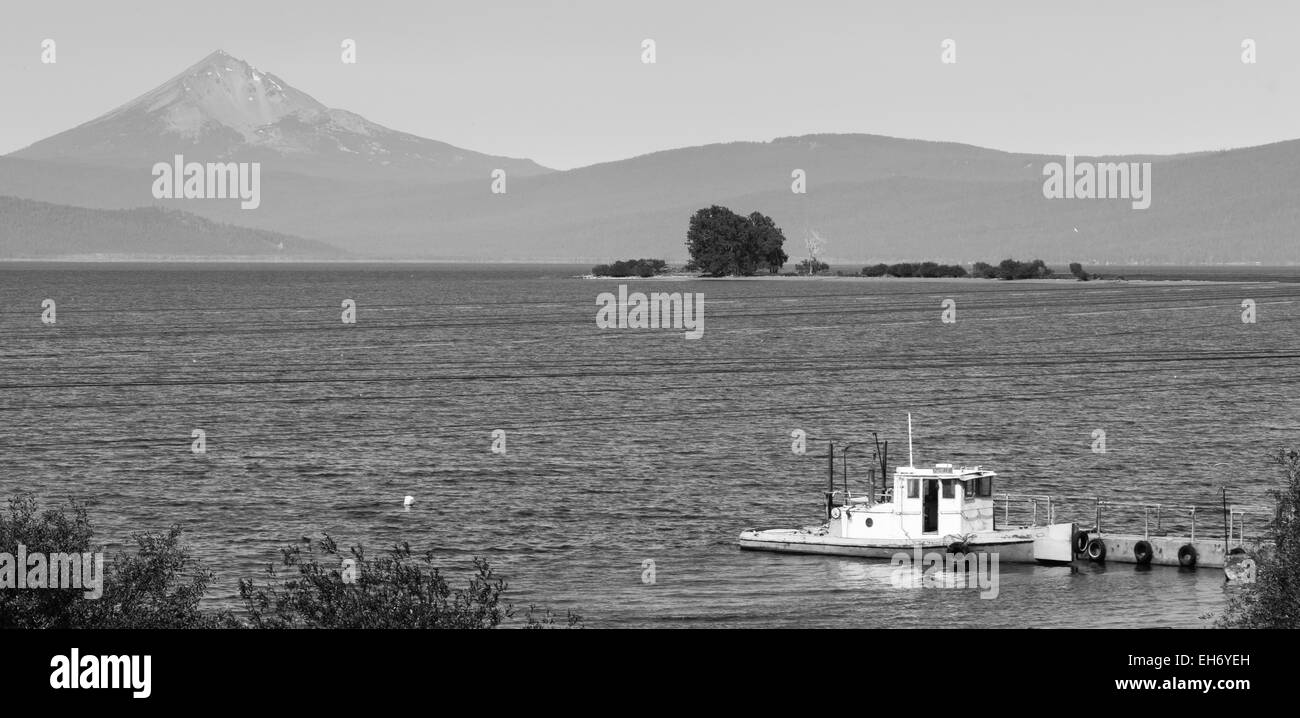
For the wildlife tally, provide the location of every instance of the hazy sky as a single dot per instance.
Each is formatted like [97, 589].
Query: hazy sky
[563, 82]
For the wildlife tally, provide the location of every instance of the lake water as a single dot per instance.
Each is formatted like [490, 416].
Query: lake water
[632, 445]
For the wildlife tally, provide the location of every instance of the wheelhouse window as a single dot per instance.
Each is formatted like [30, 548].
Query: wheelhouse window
[986, 486]
[947, 488]
[913, 488]
[968, 489]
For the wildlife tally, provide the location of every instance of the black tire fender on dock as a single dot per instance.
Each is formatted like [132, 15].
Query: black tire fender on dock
[1096, 550]
[1142, 553]
[1080, 541]
[1187, 556]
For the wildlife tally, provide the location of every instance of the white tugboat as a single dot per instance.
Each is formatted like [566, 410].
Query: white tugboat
[945, 509]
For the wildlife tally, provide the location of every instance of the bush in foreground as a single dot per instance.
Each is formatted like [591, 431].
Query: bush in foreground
[1273, 600]
[161, 585]
[397, 589]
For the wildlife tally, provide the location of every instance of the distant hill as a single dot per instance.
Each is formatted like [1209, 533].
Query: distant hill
[874, 199]
[39, 230]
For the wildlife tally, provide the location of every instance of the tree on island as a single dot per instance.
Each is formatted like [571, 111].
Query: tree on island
[722, 242]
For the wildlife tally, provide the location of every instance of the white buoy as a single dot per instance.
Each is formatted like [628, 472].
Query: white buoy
[408, 501]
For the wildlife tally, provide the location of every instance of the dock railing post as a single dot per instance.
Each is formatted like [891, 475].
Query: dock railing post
[1035, 503]
[1096, 519]
[1146, 522]
[1193, 523]
[1006, 509]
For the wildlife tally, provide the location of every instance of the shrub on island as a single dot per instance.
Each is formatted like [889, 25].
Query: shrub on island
[815, 266]
[1013, 269]
[914, 269]
[631, 268]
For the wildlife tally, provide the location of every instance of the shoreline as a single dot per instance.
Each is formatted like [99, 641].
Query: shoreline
[1048, 280]
[1143, 274]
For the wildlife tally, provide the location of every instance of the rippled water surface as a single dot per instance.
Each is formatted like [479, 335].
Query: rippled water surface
[632, 445]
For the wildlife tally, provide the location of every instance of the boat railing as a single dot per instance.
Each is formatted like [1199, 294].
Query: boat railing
[1237, 520]
[1156, 516]
[1030, 502]
[1159, 511]
[839, 497]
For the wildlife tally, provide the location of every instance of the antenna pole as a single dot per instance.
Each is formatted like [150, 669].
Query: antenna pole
[830, 483]
[910, 463]
[878, 458]
[845, 464]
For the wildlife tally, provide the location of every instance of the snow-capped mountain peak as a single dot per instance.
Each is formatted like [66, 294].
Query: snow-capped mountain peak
[222, 91]
[223, 108]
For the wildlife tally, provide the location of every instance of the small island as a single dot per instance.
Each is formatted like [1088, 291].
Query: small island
[723, 243]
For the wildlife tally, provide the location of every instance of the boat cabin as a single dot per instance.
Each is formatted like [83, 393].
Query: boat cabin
[937, 501]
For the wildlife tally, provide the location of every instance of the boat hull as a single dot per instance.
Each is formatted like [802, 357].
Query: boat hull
[1011, 545]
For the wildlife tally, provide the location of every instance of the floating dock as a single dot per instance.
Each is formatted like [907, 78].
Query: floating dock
[1230, 551]
[1155, 551]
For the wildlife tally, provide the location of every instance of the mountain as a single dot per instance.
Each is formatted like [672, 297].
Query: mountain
[872, 198]
[39, 230]
[223, 109]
